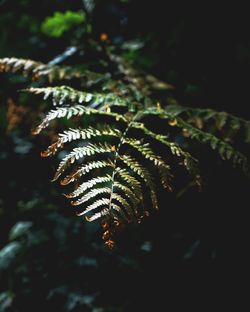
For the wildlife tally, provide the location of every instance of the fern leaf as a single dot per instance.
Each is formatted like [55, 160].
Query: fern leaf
[97, 215]
[220, 120]
[225, 150]
[77, 134]
[146, 151]
[53, 72]
[113, 211]
[14, 64]
[68, 112]
[89, 184]
[188, 161]
[97, 204]
[86, 168]
[130, 180]
[60, 113]
[90, 195]
[131, 195]
[175, 148]
[144, 174]
[80, 152]
[117, 212]
[102, 204]
[64, 94]
[124, 206]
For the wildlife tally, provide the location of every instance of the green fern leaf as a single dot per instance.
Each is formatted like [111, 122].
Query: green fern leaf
[38, 70]
[89, 184]
[86, 168]
[79, 134]
[68, 112]
[80, 152]
[90, 195]
[64, 94]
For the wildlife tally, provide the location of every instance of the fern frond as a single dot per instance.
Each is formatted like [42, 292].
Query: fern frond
[128, 192]
[118, 212]
[14, 65]
[103, 204]
[68, 112]
[97, 215]
[80, 152]
[113, 211]
[146, 151]
[225, 150]
[132, 196]
[163, 139]
[97, 204]
[189, 161]
[86, 168]
[144, 174]
[124, 205]
[89, 184]
[53, 72]
[207, 118]
[133, 183]
[80, 134]
[91, 194]
[64, 94]
[119, 157]
[60, 113]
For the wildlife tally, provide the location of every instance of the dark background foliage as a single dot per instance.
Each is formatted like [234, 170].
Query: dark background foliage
[192, 253]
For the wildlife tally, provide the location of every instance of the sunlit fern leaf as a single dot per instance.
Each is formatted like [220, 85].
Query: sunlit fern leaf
[15, 64]
[146, 151]
[189, 162]
[144, 174]
[86, 168]
[90, 195]
[68, 112]
[80, 134]
[129, 192]
[105, 208]
[53, 72]
[60, 112]
[124, 206]
[163, 139]
[64, 95]
[133, 197]
[80, 152]
[119, 202]
[131, 181]
[118, 212]
[88, 185]
[100, 203]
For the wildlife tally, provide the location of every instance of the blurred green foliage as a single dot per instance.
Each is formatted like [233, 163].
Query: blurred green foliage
[59, 23]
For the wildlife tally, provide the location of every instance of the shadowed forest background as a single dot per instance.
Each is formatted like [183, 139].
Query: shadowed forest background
[192, 253]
